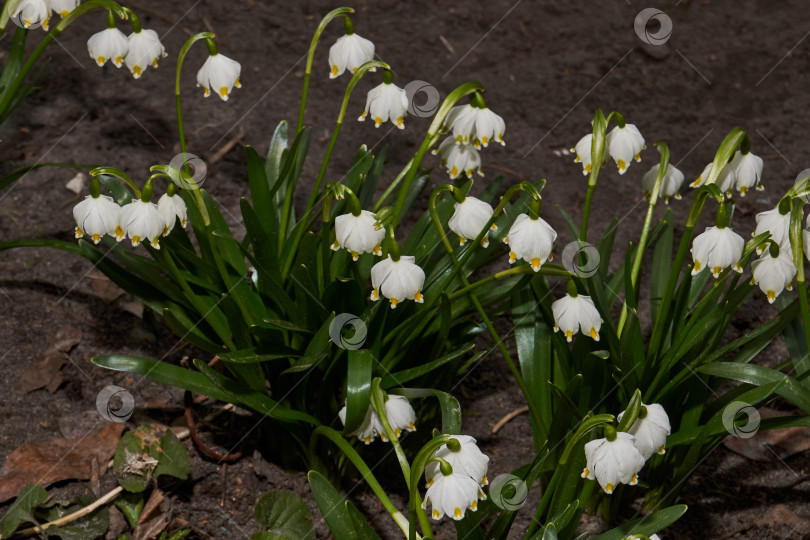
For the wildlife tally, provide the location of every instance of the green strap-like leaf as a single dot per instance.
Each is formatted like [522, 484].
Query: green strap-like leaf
[330, 503]
[646, 525]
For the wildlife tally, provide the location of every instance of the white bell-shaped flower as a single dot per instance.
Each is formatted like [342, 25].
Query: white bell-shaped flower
[774, 274]
[64, 7]
[476, 125]
[717, 249]
[531, 240]
[573, 314]
[470, 218]
[142, 221]
[357, 234]
[613, 462]
[670, 183]
[97, 216]
[349, 52]
[650, 429]
[32, 14]
[725, 182]
[806, 239]
[145, 49]
[386, 102]
[624, 144]
[397, 280]
[452, 495]
[747, 172]
[370, 429]
[401, 416]
[109, 44]
[220, 74]
[458, 158]
[582, 150]
[775, 223]
[172, 208]
[468, 460]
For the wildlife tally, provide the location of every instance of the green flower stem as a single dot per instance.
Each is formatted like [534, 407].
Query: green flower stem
[5, 15]
[796, 241]
[597, 155]
[642, 243]
[415, 501]
[378, 402]
[91, 5]
[117, 173]
[390, 189]
[434, 214]
[195, 190]
[362, 468]
[430, 138]
[342, 11]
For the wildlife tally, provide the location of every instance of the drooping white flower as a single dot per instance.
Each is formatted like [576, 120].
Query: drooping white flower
[613, 462]
[531, 240]
[774, 274]
[583, 153]
[142, 221]
[476, 125]
[109, 44]
[386, 102]
[401, 417]
[357, 234]
[747, 172]
[370, 429]
[349, 52]
[97, 216]
[806, 239]
[219, 73]
[468, 460]
[624, 144]
[717, 249]
[470, 218]
[650, 430]
[64, 7]
[573, 314]
[725, 182]
[145, 49]
[458, 158]
[670, 183]
[172, 208]
[397, 280]
[452, 495]
[775, 223]
[32, 13]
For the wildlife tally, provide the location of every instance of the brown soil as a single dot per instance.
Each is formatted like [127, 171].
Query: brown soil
[546, 67]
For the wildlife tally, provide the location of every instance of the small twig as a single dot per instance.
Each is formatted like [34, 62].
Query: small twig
[192, 429]
[226, 148]
[505, 170]
[447, 44]
[224, 488]
[503, 421]
[71, 517]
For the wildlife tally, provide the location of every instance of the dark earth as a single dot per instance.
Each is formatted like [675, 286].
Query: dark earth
[546, 66]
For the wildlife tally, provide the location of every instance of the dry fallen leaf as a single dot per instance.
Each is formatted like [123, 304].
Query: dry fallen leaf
[45, 370]
[773, 444]
[59, 459]
[76, 184]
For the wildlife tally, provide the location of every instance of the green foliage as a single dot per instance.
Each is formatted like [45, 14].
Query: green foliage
[284, 516]
[21, 511]
[142, 456]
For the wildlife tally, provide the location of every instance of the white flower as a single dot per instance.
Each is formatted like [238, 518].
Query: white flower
[109, 44]
[386, 102]
[575, 313]
[145, 49]
[470, 218]
[624, 144]
[775, 223]
[220, 73]
[650, 431]
[477, 125]
[64, 7]
[531, 240]
[583, 153]
[747, 172]
[32, 13]
[725, 182]
[142, 221]
[468, 460]
[458, 158]
[349, 52]
[98, 216]
[806, 242]
[774, 274]
[613, 462]
[172, 207]
[397, 280]
[717, 249]
[370, 429]
[670, 183]
[401, 416]
[452, 495]
[357, 234]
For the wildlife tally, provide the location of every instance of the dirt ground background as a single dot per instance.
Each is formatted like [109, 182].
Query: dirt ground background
[546, 66]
